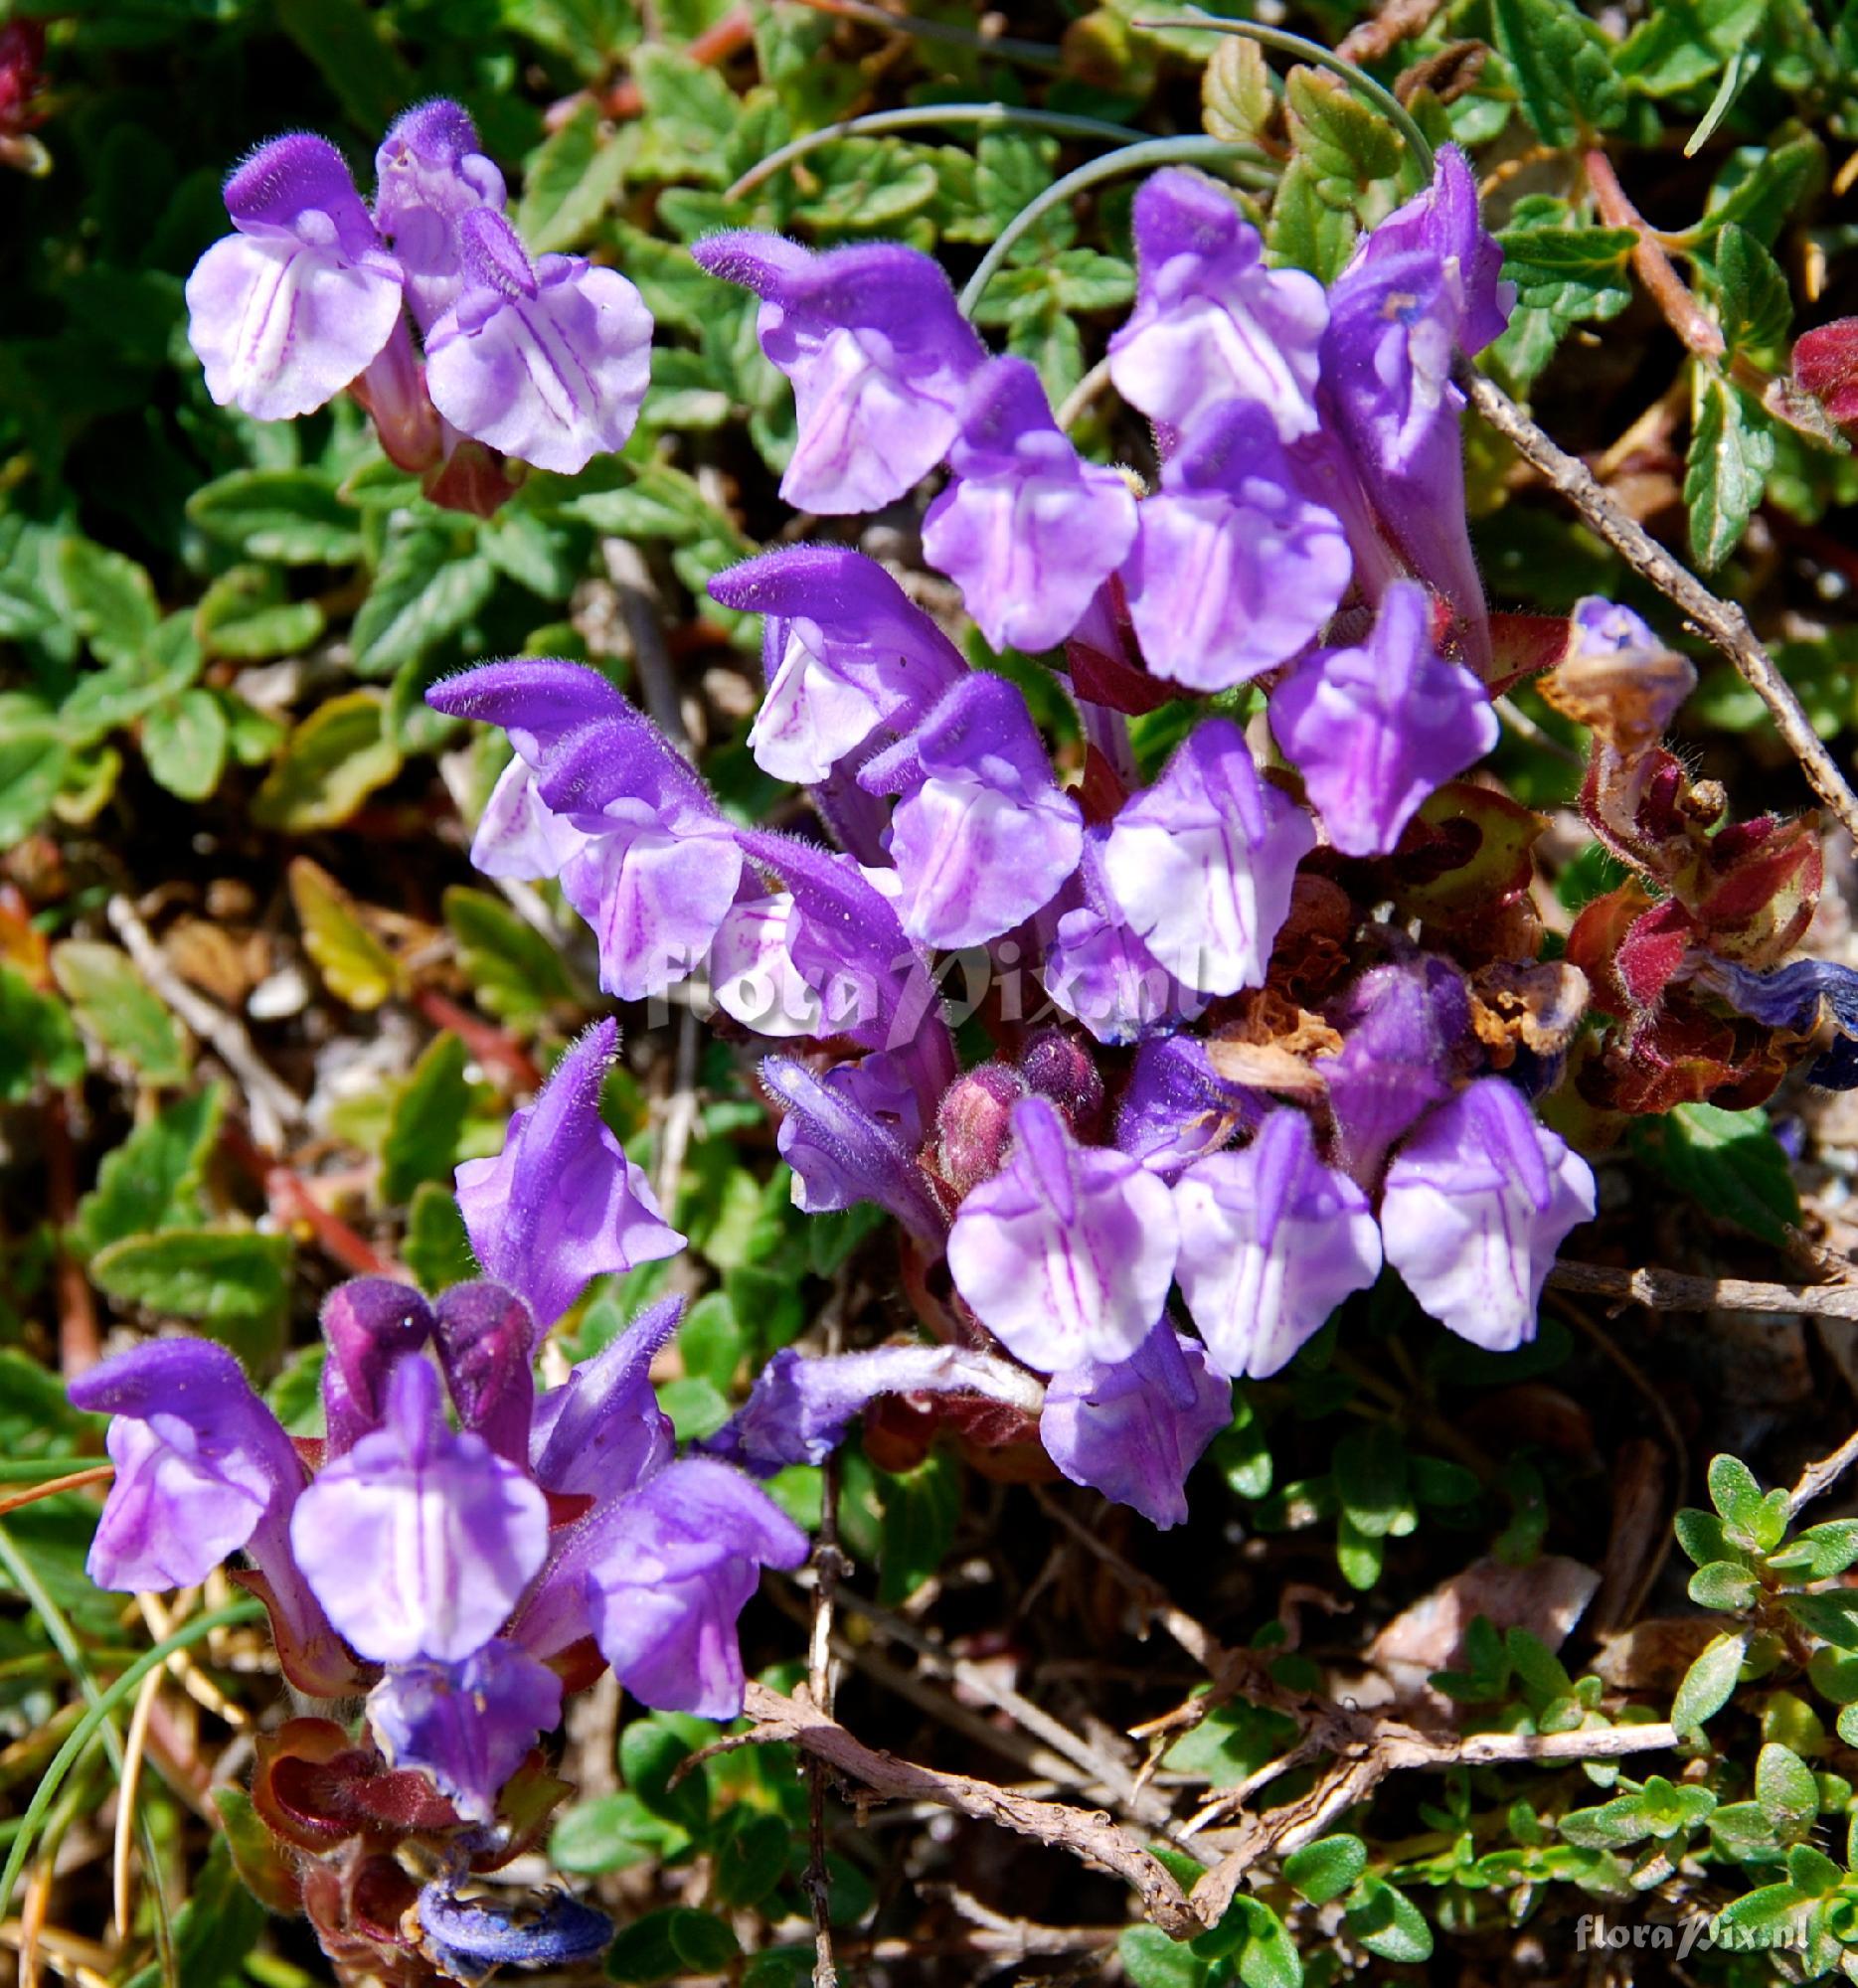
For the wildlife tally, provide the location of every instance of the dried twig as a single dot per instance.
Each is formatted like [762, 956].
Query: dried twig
[1092, 1837]
[1393, 22]
[1818, 1478]
[1676, 1291]
[270, 1105]
[79, 1344]
[1722, 621]
[828, 1564]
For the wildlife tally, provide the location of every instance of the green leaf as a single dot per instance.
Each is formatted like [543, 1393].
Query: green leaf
[1760, 188]
[920, 1510]
[1563, 64]
[1237, 99]
[1759, 1910]
[37, 1038]
[570, 183]
[1702, 1537]
[184, 743]
[1708, 1682]
[1347, 144]
[215, 1930]
[427, 1121]
[1358, 1555]
[244, 614]
[650, 1752]
[1833, 1617]
[751, 1859]
[611, 1834]
[233, 1281]
[676, 1940]
[1733, 1166]
[357, 968]
[1305, 230]
[1150, 1959]
[1785, 1788]
[435, 1248]
[1388, 1923]
[515, 974]
[1813, 1870]
[1575, 273]
[111, 601]
[867, 183]
[153, 1180]
[1372, 1481]
[1754, 307]
[330, 764]
[1722, 1583]
[34, 758]
[429, 586]
[290, 515]
[1232, 1741]
[1011, 170]
[1821, 1552]
[114, 1003]
[689, 114]
[1325, 1869]
[712, 1341]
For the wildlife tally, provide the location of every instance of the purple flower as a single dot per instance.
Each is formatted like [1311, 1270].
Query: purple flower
[1476, 1203]
[799, 1409]
[418, 1542]
[1419, 287]
[561, 1203]
[1097, 970]
[1375, 729]
[682, 1556]
[983, 836]
[1067, 1254]
[285, 312]
[845, 652]
[549, 362]
[1793, 997]
[470, 1726]
[1026, 528]
[878, 354]
[1211, 322]
[1176, 1107]
[1202, 864]
[1233, 570]
[841, 1152]
[1133, 1428]
[642, 852]
[1272, 1241]
[1402, 1027]
[844, 942]
[602, 1433]
[429, 174]
[202, 1466]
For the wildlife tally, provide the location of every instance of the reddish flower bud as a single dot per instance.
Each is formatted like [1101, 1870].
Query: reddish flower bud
[1060, 1069]
[973, 1124]
[1825, 363]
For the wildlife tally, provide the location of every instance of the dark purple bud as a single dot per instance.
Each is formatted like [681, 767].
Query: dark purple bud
[369, 1324]
[1061, 1068]
[486, 1341]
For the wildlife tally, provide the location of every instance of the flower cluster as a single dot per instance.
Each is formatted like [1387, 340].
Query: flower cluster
[542, 361]
[1248, 1081]
[464, 1577]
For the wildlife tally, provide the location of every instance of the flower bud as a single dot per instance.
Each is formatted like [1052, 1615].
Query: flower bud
[973, 1124]
[1058, 1067]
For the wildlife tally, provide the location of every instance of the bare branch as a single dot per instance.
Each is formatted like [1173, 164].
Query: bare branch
[1675, 1290]
[1094, 1838]
[1818, 1478]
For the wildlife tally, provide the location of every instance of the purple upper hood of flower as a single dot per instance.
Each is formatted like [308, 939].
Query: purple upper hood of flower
[845, 652]
[878, 354]
[1211, 322]
[1401, 1030]
[1026, 528]
[290, 308]
[841, 1152]
[1375, 729]
[561, 1203]
[429, 174]
[1176, 1107]
[598, 797]
[983, 835]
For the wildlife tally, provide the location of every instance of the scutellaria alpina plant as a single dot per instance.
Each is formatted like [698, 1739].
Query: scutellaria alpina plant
[1267, 1018]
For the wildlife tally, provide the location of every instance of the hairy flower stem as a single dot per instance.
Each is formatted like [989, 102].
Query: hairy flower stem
[1722, 621]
